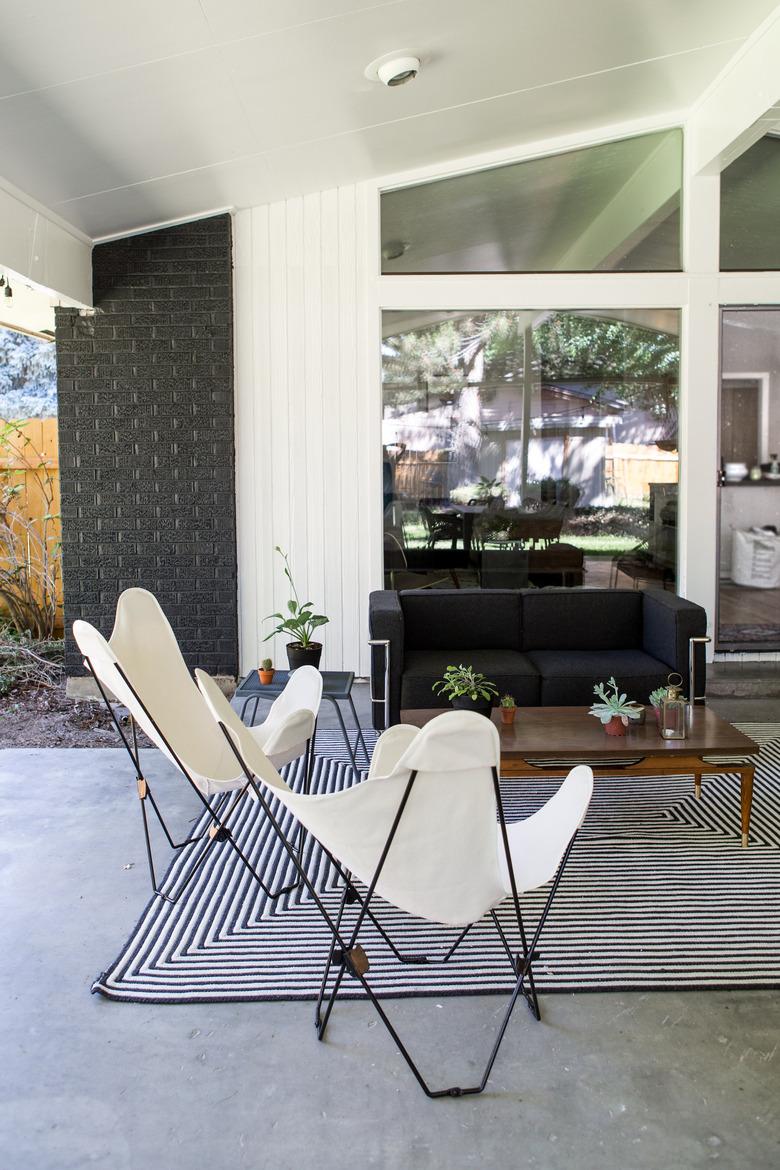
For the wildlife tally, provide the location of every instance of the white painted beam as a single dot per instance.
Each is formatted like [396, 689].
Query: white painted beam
[39, 246]
[632, 211]
[739, 106]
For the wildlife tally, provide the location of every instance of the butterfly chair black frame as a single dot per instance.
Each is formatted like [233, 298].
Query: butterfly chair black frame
[219, 809]
[348, 957]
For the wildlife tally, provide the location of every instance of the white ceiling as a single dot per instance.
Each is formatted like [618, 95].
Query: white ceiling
[118, 114]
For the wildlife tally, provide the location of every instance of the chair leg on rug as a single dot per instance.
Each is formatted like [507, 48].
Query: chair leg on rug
[352, 895]
[351, 959]
[530, 953]
[217, 831]
[353, 962]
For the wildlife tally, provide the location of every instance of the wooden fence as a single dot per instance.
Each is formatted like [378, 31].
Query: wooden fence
[630, 468]
[35, 442]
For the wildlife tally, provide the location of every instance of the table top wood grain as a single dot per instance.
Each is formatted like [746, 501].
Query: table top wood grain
[552, 732]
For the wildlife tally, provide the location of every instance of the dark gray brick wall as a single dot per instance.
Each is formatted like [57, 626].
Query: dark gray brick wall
[147, 456]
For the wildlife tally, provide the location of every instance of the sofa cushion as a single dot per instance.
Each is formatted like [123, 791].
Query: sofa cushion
[568, 676]
[474, 619]
[582, 619]
[511, 671]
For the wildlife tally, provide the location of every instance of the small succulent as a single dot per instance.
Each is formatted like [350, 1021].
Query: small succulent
[266, 664]
[613, 704]
[508, 701]
[464, 680]
[655, 697]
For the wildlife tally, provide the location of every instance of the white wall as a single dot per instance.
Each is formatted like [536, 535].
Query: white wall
[307, 403]
[36, 245]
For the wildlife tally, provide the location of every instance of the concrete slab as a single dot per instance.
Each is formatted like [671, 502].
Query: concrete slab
[617, 1082]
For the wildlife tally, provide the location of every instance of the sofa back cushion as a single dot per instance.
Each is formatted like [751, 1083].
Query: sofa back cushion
[582, 619]
[462, 619]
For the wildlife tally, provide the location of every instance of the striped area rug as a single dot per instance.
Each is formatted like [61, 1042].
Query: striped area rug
[658, 894]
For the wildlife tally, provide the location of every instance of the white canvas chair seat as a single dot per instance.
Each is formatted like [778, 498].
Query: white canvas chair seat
[447, 861]
[179, 731]
[291, 721]
[141, 665]
[425, 832]
[144, 644]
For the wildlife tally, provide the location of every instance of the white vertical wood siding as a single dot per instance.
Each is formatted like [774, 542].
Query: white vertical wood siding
[308, 418]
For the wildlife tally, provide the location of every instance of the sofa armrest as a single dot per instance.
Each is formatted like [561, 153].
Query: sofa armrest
[386, 625]
[668, 625]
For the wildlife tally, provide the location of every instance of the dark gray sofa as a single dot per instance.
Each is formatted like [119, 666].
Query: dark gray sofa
[547, 647]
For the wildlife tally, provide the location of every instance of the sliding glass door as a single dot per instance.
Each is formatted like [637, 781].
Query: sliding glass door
[749, 559]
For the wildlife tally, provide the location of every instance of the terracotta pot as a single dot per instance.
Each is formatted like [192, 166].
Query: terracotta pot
[508, 714]
[266, 676]
[298, 655]
[616, 726]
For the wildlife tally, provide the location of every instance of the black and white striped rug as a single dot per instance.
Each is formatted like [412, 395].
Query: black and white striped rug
[658, 894]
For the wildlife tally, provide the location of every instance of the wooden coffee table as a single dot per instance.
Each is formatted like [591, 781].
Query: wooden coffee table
[550, 740]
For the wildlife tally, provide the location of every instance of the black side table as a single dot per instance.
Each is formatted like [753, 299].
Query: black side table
[336, 687]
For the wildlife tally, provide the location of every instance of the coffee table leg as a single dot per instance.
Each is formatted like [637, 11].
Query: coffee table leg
[746, 800]
[697, 785]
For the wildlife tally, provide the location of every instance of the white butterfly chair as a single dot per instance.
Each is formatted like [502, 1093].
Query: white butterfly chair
[429, 836]
[288, 729]
[142, 666]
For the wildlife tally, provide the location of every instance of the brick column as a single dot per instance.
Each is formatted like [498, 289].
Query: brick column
[147, 456]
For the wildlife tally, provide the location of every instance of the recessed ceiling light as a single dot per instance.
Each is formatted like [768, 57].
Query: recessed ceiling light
[394, 69]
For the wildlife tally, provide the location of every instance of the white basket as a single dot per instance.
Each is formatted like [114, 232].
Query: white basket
[755, 559]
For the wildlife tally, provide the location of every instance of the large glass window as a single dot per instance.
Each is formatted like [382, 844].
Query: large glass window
[608, 208]
[530, 448]
[749, 581]
[750, 208]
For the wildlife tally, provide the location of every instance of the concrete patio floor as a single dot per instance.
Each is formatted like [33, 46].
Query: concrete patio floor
[621, 1081]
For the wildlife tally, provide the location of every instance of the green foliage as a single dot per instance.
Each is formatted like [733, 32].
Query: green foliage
[266, 664]
[508, 701]
[488, 489]
[464, 680]
[655, 697]
[638, 364]
[300, 621]
[613, 703]
[572, 346]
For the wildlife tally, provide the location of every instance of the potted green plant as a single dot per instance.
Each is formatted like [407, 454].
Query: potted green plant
[266, 672]
[508, 708]
[299, 623]
[466, 689]
[614, 710]
[655, 698]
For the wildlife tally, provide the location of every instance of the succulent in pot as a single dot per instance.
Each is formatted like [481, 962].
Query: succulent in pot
[466, 689]
[266, 672]
[508, 708]
[613, 710]
[299, 623]
[655, 698]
